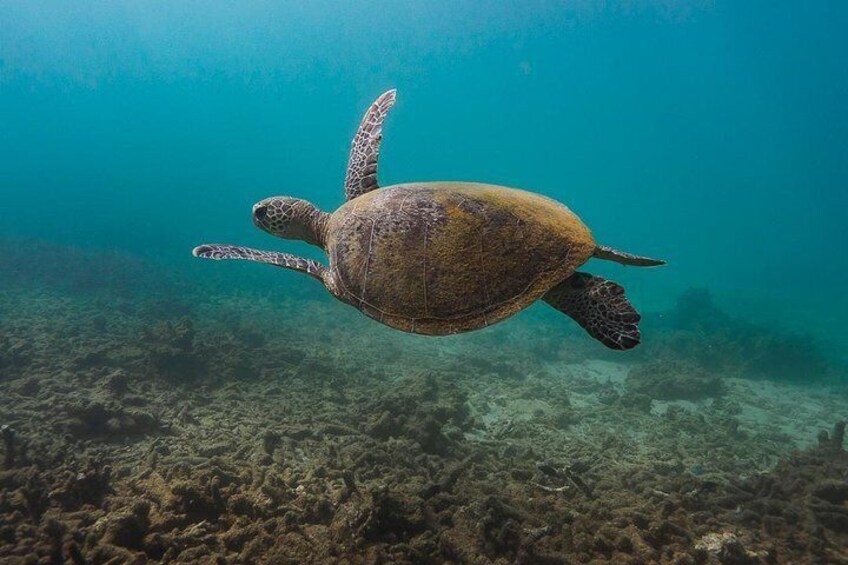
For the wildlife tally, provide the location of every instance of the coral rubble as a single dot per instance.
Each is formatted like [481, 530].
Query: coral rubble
[218, 434]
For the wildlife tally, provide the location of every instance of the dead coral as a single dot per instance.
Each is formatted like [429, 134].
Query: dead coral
[171, 350]
[88, 485]
[104, 419]
[833, 442]
[8, 435]
[125, 527]
[671, 380]
[116, 383]
[425, 409]
[391, 518]
[315, 453]
[804, 495]
[15, 355]
[500, 527]
[724, 547]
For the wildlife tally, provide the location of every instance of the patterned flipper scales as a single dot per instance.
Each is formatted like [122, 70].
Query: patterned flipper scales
[285, 260]
[365, 149]
[600, 307]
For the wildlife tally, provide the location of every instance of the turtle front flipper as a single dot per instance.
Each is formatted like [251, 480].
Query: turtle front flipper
[600, 307]
[285, 260]
[365, 149]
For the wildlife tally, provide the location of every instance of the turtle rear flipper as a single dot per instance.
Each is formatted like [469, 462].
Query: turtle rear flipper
[600, 307]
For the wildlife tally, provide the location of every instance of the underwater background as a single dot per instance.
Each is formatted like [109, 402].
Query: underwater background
[160, 407]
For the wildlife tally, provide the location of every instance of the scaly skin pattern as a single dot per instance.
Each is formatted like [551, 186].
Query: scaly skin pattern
[600, 307]
[447, 257]
[218, 252]
[365, 148]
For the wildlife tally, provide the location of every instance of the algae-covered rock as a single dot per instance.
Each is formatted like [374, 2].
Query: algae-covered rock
[390, 517]
[126, 527]
[833, 491]
[103, 419]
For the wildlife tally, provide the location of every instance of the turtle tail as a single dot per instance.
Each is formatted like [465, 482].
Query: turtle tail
[610, 254]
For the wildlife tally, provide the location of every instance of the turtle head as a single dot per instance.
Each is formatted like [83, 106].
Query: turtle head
[291, 218]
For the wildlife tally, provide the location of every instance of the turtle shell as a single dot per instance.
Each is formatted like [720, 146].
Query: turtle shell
[440, 258]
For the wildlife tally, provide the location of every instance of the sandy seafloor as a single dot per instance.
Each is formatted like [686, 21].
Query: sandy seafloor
[153, 421]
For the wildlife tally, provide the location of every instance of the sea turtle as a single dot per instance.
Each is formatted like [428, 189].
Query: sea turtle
[440, 258]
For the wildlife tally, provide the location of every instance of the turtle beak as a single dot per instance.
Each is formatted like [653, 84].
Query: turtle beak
[260, 212]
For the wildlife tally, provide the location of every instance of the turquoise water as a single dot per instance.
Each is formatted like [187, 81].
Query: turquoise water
[711, 134]
[159, 408]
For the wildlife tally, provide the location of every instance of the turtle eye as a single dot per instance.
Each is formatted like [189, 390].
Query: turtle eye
[260, 213]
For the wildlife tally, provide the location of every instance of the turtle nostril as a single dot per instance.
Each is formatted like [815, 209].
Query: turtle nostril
[260, 212]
